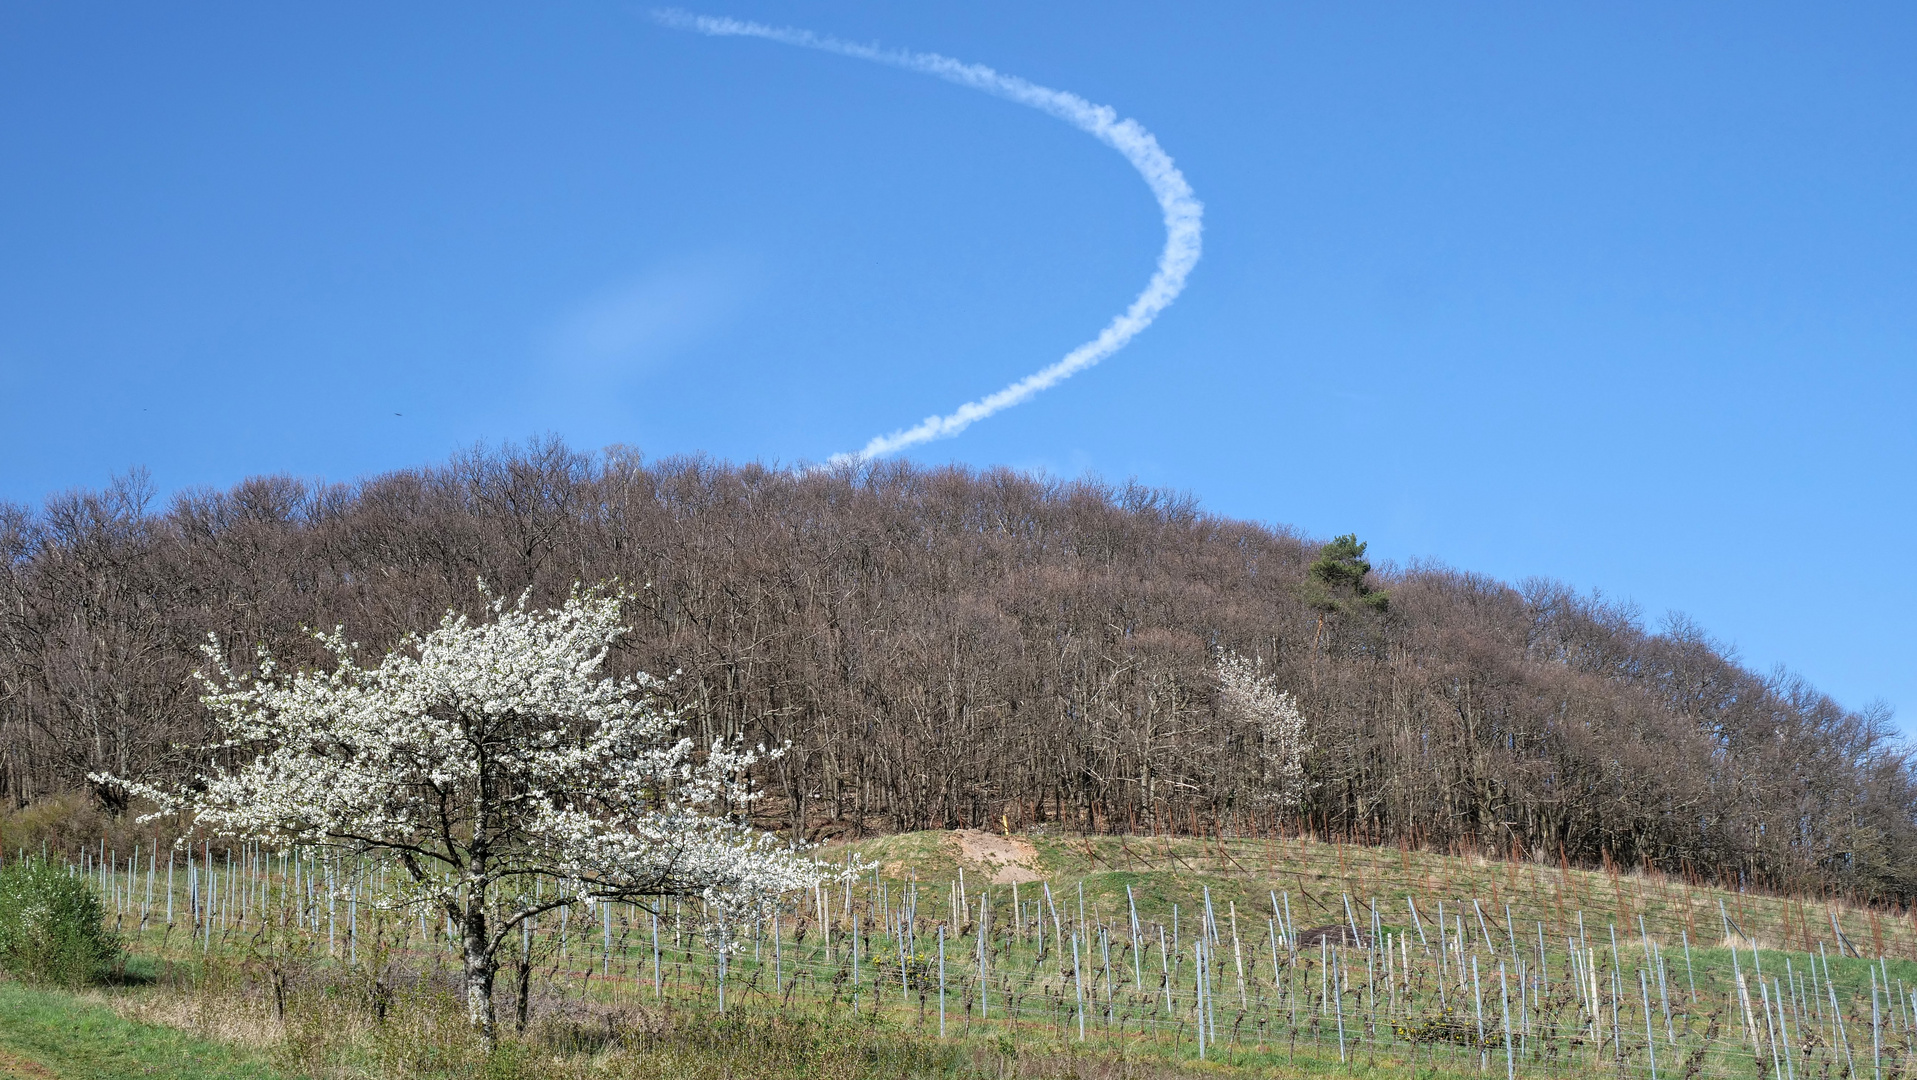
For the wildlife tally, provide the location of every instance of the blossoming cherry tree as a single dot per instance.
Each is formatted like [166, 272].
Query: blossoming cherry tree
[480, 757]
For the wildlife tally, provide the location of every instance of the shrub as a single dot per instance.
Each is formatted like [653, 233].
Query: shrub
[72, 822]
[52, 929]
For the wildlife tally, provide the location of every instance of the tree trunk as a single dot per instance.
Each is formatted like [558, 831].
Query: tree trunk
[481, 965]
[523, 1003]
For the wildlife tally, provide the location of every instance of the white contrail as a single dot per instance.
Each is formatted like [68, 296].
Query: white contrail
[1183, 212]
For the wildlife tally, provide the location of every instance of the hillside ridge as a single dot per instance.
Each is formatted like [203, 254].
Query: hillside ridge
[990, 649]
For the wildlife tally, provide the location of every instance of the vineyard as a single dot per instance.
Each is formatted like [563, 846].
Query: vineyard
[1276, 954]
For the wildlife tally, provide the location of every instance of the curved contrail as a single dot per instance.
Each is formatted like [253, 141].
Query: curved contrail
[1183, 212]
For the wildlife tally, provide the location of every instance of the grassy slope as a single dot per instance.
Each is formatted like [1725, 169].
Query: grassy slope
[1789, 931]
[1584, 905]
[47, 1033]
[1166, 871]
[81, 1040]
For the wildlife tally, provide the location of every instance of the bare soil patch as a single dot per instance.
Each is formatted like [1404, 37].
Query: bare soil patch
[14, 1067]
[1006, 858]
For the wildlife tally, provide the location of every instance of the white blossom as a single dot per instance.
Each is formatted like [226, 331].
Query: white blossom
[1248, 696]
[481, 756]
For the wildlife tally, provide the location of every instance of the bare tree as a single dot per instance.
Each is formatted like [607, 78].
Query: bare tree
[946, 647]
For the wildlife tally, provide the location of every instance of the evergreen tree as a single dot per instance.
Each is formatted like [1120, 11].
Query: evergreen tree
[1336, 579]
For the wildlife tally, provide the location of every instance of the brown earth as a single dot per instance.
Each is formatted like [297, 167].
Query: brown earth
[14, 1067]
[1006, 858]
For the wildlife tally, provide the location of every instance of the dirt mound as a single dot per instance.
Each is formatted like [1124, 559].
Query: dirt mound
[1007, 858]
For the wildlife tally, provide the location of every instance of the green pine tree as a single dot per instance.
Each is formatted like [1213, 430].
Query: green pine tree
[1335, 583]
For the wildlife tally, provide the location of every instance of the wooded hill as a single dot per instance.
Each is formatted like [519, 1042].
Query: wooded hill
[950, 648]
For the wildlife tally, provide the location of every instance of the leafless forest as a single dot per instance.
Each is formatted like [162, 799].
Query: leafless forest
[945, 648]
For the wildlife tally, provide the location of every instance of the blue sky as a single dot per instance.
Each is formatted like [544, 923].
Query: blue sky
[1624, 295]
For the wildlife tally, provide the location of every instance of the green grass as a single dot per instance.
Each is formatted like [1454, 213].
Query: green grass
[68, 1037]
[331, 1031]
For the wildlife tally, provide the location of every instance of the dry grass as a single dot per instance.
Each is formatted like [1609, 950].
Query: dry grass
[1317, 874]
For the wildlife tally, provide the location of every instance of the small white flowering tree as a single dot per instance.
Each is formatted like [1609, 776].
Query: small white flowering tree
[482, 756]
[1250, 697]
